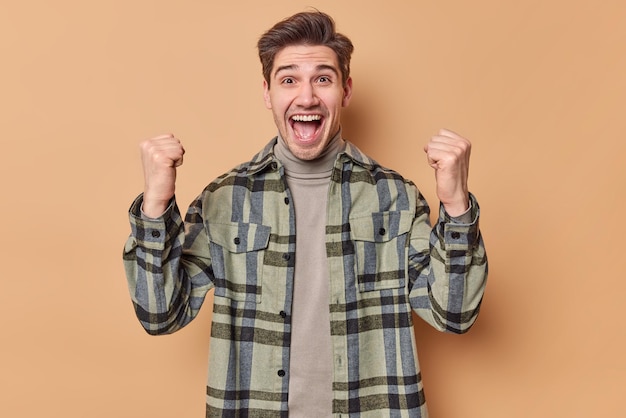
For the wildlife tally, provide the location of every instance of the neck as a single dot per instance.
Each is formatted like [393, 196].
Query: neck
[322, 166]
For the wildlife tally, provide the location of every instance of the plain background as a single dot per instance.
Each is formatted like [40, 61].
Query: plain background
[538, 86]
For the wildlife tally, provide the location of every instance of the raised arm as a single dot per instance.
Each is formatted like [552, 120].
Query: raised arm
[448, 263]
[166, 260]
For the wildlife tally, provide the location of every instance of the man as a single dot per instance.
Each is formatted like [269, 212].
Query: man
[316, 253]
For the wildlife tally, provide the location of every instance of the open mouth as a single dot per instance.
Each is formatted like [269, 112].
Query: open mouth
[306, 127]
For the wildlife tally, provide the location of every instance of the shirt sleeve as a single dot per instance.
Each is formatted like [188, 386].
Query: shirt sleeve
[167, 266]
[447, 268]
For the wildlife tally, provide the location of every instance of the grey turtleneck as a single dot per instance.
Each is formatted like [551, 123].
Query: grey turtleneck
[310, 373]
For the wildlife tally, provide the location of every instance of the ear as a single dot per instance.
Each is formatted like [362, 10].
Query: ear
[347, 92]
[266, 94]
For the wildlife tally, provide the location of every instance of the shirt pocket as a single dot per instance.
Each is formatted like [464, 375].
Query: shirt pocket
[380, 246]
[237, 252]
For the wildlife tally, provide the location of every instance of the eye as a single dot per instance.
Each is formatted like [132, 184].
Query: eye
[324, 79]
[287, 80]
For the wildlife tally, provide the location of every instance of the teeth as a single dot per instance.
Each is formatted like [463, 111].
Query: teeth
[306, 118]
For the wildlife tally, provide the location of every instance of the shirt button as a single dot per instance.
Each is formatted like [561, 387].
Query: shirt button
[286, 201]
[274, 166]
[455, 235]
[281, 373]
[286, 256]
[382, 231]
[283, 314]
[236, 241]
[156, 234]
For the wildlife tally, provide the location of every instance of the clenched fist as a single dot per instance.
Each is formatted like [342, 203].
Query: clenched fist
[449, 153]
[160, 156]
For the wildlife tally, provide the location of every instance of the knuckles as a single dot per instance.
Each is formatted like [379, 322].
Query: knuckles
[164, 148]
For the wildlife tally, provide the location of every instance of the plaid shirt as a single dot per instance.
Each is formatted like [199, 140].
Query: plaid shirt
[384, 260]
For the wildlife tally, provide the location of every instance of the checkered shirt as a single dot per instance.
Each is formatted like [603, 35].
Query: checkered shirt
[384, 261]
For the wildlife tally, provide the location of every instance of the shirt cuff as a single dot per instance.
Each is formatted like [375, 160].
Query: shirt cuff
[150, 233]
[469, 217]
[464, 218]
[460, 232]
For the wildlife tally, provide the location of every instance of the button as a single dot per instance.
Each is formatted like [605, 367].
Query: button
[236, 241]
[286, 201]
[286, 256]
[455, 235]
[274, 166]
[382, 231]
[156, 234]
[283, 314]
[281, 373]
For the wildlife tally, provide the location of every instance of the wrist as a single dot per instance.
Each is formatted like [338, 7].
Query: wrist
[457, 207]
[154, 208]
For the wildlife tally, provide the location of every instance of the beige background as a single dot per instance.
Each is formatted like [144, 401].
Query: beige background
[539, 87]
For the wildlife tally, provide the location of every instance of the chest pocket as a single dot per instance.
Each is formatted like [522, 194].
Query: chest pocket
[380, 244]
[237, 252]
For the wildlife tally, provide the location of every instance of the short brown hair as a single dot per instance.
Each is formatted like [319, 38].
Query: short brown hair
[306, 28]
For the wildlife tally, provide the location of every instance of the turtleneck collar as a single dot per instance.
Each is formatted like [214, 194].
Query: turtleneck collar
[320, 167]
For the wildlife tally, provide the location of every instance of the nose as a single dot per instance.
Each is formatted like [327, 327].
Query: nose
[307, 96]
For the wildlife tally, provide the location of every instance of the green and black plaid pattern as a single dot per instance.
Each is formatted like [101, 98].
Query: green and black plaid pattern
[384, 261]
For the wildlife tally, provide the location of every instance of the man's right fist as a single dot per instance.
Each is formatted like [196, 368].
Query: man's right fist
[160, 156]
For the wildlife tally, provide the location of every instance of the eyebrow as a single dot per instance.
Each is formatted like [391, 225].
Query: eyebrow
[293, 67]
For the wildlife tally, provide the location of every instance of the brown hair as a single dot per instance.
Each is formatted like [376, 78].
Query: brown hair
[306, 28]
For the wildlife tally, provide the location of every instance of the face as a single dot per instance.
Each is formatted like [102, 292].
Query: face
[306, 96]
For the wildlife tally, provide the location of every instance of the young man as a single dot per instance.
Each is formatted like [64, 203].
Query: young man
[316, 253]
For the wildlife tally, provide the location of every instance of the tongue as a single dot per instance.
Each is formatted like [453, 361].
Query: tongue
[305, 130]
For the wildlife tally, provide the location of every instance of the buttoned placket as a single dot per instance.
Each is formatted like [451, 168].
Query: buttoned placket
[282, 362]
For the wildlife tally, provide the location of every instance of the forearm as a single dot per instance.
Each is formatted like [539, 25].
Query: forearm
[449, 274]
[166, 288]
